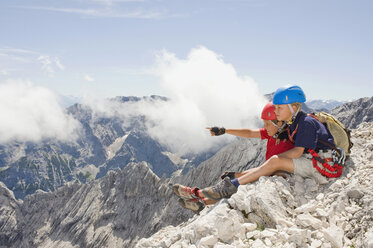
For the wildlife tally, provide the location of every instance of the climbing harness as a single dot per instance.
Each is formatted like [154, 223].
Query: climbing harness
[338, 157]
[327, 170]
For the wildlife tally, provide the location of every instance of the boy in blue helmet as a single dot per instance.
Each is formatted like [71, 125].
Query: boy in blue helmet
[274, 132]
[312, 155]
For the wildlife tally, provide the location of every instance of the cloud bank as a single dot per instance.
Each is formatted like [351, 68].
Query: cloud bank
[204, 91]
[32, 113]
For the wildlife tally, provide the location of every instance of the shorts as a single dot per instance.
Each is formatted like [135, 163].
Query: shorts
[303, 167]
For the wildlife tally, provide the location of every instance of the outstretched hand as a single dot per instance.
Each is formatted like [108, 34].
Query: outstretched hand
[211, 132]
[216, 131]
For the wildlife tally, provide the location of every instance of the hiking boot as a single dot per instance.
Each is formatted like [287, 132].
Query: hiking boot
[224, 189]
[185, 192]
[193, 204]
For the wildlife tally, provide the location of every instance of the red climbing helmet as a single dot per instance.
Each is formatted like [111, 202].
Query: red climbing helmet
[268, 112]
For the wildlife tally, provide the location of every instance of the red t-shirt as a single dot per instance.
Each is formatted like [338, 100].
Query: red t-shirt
[272, 147]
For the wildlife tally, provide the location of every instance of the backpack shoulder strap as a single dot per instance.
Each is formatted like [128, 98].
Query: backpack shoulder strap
[332, 146]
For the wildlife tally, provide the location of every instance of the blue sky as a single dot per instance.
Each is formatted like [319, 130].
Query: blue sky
[109, 47]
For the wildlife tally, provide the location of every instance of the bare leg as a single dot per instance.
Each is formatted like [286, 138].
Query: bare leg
[277, 173]
[269, 167]
[240, 174]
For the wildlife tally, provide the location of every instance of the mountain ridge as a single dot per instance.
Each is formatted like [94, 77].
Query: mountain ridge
[325, 104]
[27, 166]
[132, 201]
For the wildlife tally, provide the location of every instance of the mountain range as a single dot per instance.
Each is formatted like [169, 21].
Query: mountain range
[99, 207]
[104, 143]
[324, 104]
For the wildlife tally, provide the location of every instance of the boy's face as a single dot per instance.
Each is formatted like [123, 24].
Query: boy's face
[270, 128]
[283, 112]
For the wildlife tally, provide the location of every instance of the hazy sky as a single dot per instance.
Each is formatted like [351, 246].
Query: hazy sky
[110, 47]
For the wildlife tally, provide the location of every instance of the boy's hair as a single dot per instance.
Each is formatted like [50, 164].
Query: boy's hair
[298, 105]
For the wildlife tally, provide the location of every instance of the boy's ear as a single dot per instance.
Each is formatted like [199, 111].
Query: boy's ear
[295, 108]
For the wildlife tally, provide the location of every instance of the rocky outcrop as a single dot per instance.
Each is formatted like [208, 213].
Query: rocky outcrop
[353, 113]
[111, 212]
[116, 210]
[138, 146]
[296, 212]
[9, 217]
[238, 156]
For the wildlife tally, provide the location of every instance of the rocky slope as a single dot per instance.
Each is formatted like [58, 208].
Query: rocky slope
[296, 212]
[353, 113]
[114, 211]
[111, 212]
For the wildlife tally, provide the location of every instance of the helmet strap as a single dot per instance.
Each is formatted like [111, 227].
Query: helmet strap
[294, 114]
[291, 109]
[274, 124]
[280, 129]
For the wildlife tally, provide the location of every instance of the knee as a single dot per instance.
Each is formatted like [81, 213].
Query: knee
[274, 161]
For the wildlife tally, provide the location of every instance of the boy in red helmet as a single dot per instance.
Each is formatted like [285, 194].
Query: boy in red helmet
[276, 143]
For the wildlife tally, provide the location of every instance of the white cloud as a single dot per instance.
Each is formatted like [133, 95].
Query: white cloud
[107, 12]
[11, 55]
[204, 91]
[26, 61]
[59, 64]
[49, 64]
[88, 78]
[112, 2]
[16, 50]
[46, 64]
[32, 113]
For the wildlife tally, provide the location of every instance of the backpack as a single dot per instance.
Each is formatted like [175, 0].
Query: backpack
[341, 135]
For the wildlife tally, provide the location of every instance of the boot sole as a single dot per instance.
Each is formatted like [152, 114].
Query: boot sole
[182, 203]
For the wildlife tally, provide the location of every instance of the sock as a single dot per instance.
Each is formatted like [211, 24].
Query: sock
[235, 182]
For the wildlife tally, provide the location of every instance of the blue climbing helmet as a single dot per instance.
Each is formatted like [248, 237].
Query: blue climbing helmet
[289, 94]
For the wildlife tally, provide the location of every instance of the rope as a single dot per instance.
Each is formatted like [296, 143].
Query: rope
[335, 170]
